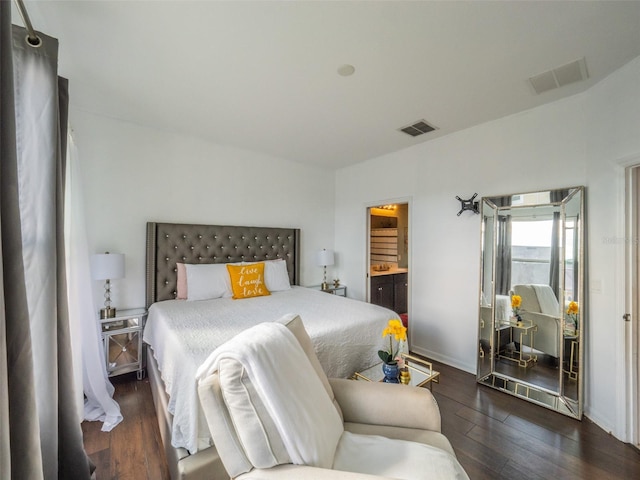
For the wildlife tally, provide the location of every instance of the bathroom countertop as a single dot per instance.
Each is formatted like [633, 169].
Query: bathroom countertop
[391, 271]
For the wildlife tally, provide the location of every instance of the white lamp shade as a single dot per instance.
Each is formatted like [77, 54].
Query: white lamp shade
[107, 266]
[324, 257]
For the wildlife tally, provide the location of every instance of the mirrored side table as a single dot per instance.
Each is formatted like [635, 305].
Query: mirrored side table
[122, 341]
[421, 372]
[340, 290]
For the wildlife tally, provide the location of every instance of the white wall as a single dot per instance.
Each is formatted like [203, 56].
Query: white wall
[612, 142]
[133, 174]
[576, 141]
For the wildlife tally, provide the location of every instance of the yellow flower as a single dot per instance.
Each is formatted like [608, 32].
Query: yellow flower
[516, 301]
[394, 329]
[572, 313]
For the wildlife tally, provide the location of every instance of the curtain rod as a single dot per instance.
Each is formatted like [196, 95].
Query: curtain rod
[32, 37]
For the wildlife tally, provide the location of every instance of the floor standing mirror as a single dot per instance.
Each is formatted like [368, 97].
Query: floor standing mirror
[532, 297]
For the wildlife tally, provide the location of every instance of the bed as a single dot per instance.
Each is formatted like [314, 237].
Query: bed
[180, 334]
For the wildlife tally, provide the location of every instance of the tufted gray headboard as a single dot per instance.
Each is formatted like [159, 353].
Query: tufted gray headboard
[171, 243]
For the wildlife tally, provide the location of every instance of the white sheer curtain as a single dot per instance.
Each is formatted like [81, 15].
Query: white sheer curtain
[89, 366]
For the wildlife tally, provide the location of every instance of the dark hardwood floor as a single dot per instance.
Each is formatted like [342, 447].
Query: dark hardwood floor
[495, 435]
[133, 449]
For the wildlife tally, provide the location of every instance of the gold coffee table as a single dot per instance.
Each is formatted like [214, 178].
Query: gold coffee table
[422, 372]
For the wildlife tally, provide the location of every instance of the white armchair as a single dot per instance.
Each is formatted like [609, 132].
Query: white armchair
[365, 419]
[540, 306]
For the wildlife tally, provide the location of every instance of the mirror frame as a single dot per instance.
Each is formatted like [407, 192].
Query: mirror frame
[486, 366]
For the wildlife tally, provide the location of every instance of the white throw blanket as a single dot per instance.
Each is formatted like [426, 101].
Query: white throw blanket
[294, 396]
[503, 309]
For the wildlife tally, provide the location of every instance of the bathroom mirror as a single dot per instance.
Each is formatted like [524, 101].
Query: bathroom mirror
[532, 297]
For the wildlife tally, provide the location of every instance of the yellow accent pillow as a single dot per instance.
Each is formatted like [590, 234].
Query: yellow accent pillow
[248, 280]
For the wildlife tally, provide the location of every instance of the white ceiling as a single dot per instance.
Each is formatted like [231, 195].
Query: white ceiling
[263, 75]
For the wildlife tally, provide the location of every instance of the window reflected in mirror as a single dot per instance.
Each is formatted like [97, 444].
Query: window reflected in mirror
[530, 251]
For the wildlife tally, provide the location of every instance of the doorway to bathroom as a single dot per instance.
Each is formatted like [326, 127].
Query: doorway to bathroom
[388, 257]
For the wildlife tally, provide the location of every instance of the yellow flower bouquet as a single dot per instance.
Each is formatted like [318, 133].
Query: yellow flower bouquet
[394, 329]
[516, 302]
[573, 312]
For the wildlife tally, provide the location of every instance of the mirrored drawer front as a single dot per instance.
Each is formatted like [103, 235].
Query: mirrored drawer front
[121, 324]
[123, 351]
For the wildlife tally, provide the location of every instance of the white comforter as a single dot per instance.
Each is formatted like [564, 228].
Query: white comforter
[182, 334]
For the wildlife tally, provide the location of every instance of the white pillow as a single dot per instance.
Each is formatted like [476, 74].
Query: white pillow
[276, 276]
[208, 280]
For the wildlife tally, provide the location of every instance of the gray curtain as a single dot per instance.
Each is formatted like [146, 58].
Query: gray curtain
[576, 260]
[556, 196]
[554, 260]
[503, 256]
[40, 434]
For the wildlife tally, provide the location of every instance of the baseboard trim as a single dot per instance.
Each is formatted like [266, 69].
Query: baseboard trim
[444, 359]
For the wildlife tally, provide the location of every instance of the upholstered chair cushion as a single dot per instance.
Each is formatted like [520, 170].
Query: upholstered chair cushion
[528, 296]
[538, 298]
[256, 429]
[547, 300]
[380, 456]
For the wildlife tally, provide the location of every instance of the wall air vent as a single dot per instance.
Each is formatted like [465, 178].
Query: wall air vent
[560, 76]
[418, 128]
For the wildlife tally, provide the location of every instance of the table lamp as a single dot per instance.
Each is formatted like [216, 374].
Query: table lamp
[107, 266]
[323, 258]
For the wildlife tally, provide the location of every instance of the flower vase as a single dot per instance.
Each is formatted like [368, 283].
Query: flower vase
[391, 372]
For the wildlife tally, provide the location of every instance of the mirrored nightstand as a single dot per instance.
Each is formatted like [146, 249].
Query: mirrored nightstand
[340, 290]
[122, 340]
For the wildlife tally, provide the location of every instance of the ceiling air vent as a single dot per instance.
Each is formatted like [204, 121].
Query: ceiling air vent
[418, 128]
[560, 76]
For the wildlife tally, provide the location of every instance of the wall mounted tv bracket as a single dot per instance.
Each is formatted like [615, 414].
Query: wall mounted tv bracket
[468, 204]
